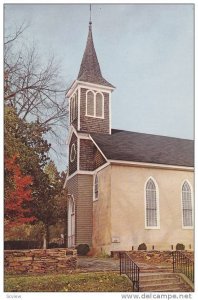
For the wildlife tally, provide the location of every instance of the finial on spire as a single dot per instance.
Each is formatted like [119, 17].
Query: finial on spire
[90, 15]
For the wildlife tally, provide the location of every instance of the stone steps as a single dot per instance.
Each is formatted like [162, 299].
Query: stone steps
[159, 280]
[162, 282]
[144, 267]
[154, 270]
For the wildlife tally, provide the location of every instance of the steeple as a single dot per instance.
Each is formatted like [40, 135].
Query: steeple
[90, 68]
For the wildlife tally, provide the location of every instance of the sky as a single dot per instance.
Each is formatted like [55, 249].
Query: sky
[145, 50]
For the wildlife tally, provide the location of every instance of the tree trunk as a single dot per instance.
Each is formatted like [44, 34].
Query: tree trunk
[46, 237]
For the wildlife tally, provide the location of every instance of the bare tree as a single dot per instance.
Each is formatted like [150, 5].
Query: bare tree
[32, 87]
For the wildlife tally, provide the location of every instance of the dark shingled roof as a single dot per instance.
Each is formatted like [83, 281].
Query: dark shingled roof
[149, 148]
[90, 68]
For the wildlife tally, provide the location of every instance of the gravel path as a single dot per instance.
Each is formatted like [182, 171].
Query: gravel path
[95, 264]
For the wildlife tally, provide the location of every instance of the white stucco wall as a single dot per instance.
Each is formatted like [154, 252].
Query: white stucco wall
[128, 208]
[101, 238]
[119, 213]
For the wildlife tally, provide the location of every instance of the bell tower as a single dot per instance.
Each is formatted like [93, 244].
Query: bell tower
[90, 112]
[90, 94]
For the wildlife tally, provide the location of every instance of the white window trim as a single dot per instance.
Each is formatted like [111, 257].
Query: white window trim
[94, 116]
[192, 202]
[94, 178]
[157, 202]
[73, 108]
[73, 148]
[102, 117]
[93, 102]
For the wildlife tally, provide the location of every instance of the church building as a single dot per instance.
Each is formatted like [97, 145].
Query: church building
[124, 188]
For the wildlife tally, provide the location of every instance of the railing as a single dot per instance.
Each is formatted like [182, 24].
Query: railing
[183, 264]
[129, 268]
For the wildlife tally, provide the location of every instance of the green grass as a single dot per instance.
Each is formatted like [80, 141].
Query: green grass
[78, 282]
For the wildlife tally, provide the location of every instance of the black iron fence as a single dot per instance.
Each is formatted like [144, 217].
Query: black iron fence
[183, 264]
[129, 268]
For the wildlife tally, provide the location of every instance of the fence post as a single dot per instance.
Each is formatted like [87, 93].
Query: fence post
[120, 255]
[173, 262]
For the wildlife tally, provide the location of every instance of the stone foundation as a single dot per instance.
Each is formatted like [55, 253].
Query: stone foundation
[40, 261]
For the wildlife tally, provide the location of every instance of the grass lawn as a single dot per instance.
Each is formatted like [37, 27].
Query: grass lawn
[78, 282]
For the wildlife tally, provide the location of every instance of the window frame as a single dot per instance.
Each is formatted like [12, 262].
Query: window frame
[72, 149]
[182, 210]
[94, 104]
[157, 204]
[73, 107]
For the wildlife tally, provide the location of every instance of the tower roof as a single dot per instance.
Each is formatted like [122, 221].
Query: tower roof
[90, 68]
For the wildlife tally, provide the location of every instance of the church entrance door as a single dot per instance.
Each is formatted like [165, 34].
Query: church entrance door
[71, 222]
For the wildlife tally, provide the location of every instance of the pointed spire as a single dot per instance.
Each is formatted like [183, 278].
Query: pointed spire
[90, 68]
[90, 15]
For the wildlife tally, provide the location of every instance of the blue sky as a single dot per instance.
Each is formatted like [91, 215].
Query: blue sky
[146, 51]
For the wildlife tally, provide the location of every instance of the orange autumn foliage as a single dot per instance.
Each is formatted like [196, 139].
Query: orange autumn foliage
[17, 195]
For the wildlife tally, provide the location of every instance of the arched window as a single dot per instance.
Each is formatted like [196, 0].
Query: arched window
[99, 105]
[90, 103]
[96, 187]
[94, 104]
[152, 220]
[73, 108]
[187, 205]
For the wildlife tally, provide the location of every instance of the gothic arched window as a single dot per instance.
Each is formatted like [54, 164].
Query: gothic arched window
[187, 215]
[152, 219]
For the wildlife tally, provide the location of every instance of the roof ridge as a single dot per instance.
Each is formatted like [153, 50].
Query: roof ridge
[145, 133]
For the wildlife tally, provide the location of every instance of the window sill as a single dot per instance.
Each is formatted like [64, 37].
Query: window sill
[94, 117]
[148, 228]
[187, 227]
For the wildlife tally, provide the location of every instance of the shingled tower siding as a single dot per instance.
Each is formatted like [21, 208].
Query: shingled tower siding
[90, 156]
[93, 124]
[81, 187]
